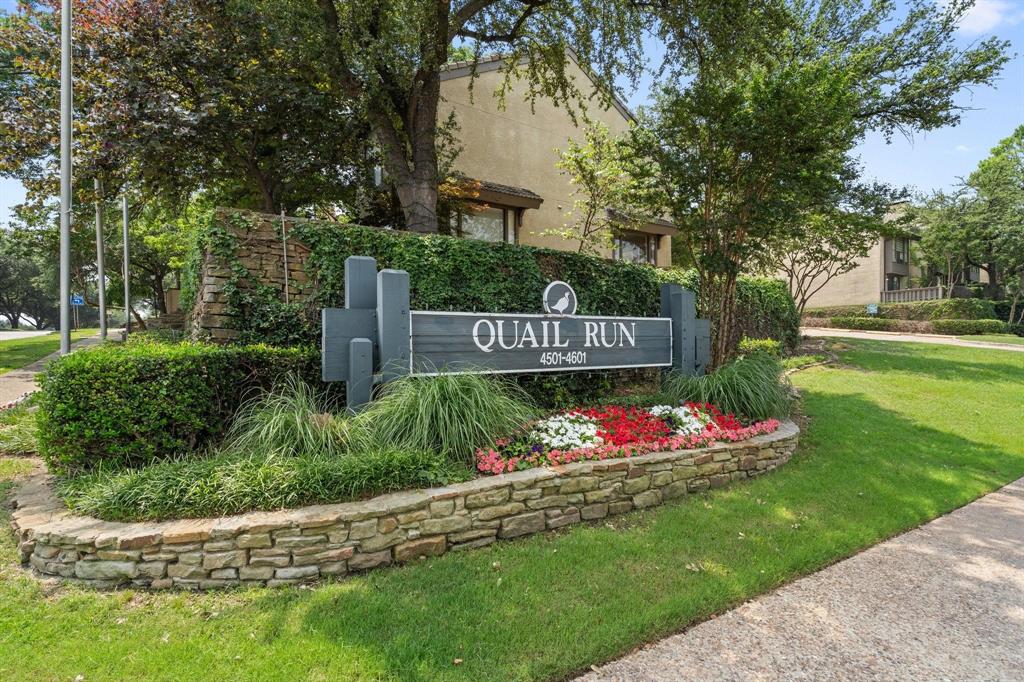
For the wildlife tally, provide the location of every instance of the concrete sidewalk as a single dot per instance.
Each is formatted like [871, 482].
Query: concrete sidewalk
[18, 382]
[910, 338]
[944, 601]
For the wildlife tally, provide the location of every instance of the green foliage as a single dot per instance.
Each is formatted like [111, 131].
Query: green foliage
[236, 483]
[751, 386]
[800, 361]
[963, 327]
[752, 143]
[612, 190]
[944, 309]
[128, 404]
[451, 414]
[769, 346]
[1015, 328]
[18, 429]
[866, 323]
[291, 419]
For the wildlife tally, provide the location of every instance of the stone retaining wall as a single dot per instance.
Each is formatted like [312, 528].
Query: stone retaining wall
[285, 547]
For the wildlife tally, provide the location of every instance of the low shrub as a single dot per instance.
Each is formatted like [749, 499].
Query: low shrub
[964, 327]
[920, 311]
[1017, 329]
[233, 483]
[451, 414]
[751, 387]
[870, 324]
[129, 404]
[769, 346]
[290, 419]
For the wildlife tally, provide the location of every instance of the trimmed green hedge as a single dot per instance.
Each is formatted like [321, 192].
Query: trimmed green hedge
[128, 404]
[963, 327]
[447, 273]
[866, 323]
[944, 309]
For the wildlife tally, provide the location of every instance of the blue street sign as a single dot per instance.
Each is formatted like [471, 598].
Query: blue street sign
[872, 308]
[77, 299]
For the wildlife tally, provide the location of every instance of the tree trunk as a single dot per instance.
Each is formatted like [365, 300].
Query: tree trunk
[721, 310]
[158, 295]
[418, 198]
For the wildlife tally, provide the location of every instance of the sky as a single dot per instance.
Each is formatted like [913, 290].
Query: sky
[925, 162]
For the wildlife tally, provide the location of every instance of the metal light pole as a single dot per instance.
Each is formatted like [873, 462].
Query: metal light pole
[101, 274]
[65, 176]
[127, 287]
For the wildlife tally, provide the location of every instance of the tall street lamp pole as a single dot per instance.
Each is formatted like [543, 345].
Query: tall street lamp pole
[65, 176]
[101, 271]
[127, 285]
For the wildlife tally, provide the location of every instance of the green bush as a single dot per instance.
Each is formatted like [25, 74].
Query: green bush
[1017, 329]
[963, 327]
[865, 323]
[451, 414]
[234, 483]
[752, 387]
[128, 404]
[769, 346]
[943, 309]
[458, 274]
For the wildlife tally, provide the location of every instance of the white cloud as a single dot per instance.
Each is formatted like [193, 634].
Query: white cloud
[964, 148]
[987, 15]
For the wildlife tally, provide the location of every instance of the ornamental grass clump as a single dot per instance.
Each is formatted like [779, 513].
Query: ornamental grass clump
[232, 483]
[290, 419]
[451, 414]
[751, 386]
[18, 430]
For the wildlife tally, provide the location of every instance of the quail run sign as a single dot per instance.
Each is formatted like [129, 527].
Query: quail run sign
[376, 337]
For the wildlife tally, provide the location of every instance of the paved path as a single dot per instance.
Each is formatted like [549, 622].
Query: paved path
[11, 334]
[912, 338]
[943, 602]
[18, 382]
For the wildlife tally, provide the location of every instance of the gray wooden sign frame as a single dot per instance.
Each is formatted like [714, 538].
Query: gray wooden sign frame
[376, 338]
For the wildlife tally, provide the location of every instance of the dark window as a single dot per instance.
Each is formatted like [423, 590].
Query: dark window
[636, 247]
[893, 282]
[901, 249]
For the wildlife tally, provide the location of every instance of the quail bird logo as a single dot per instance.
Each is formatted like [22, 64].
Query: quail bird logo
[559, 299]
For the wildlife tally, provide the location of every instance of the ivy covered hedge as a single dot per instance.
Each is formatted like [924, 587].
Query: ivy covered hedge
[943, 309]
[447, 273]
[128, 404]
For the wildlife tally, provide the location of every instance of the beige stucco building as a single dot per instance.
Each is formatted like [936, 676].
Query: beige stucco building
[510, 148]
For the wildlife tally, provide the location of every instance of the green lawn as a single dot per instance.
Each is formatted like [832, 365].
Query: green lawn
[16, 353]
[1012, 339]
[898, 434]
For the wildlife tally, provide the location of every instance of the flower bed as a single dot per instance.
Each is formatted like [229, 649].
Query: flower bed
[612, 432]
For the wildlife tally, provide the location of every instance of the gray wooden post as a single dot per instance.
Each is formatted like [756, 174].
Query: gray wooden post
[360, 379]
[702, 346]
[678, 303]
[393, 323]
[360, 282]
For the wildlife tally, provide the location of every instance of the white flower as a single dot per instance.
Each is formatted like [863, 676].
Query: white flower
[566, 432]
[682, 420]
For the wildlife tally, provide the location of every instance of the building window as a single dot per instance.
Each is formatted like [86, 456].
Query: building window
[489, 224]
[901, 249]
[636, 247]
[893, 282]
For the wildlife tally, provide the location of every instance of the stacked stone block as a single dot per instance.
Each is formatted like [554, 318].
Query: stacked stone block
[301, 545]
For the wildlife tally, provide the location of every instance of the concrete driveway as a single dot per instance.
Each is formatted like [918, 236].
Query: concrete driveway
[942, 602]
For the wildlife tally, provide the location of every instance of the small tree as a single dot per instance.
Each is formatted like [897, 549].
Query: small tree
[829, 245]
[613, 190]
